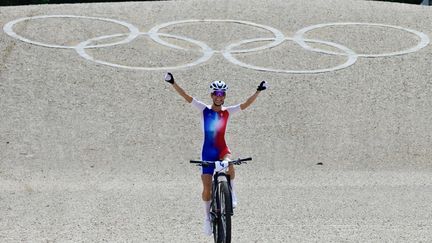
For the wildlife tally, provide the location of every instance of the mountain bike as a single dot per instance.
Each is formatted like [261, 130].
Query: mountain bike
[221, 208]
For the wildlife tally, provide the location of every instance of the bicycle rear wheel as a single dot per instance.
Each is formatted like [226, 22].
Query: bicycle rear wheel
[222, 226]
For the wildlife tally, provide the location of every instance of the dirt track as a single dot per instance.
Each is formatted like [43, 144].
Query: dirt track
[91, 152]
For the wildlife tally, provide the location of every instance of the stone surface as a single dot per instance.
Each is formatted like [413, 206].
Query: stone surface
[93, 153]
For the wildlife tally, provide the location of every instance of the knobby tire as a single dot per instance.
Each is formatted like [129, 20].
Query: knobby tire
[222, 226]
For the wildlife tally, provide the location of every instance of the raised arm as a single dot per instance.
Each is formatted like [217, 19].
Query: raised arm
[250, 100]
[170, 79]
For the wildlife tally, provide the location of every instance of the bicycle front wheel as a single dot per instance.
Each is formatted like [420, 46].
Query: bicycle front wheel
[224, 209]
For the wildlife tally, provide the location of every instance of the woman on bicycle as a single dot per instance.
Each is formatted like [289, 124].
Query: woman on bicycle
[214, 120]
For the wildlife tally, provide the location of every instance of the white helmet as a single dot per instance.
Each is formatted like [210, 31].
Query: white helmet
[218, 86]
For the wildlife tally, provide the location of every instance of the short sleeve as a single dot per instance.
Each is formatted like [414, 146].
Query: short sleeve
[233, 109]
[198, 104]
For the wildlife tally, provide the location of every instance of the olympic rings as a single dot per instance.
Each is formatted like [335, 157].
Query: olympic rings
[228, 51]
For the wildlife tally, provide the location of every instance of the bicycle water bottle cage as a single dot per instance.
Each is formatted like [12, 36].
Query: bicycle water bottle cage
[221, 166]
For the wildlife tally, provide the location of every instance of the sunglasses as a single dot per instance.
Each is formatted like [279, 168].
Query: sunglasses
[219, 93]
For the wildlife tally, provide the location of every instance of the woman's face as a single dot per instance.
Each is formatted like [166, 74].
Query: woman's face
[218, 98]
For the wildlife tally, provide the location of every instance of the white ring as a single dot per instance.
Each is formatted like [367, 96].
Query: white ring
[279, 36]
[227, 51]
[424, 39]
[208, 53]
[352, 57]
[8, 29]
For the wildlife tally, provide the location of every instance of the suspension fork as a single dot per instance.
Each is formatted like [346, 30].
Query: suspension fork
[219, 177]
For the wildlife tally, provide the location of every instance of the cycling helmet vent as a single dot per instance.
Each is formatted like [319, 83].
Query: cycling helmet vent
[218, 86]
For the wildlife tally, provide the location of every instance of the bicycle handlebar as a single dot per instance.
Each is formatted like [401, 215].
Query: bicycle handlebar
[235, 162]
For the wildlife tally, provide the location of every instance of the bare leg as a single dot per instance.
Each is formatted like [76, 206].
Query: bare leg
[231, 173]
[231, 170]
[206, 196]
[207, 181]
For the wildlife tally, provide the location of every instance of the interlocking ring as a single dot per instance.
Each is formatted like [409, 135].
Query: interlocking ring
[424, 39]
[226, 52]
[133, 31]
[278, 36]
[207, 53]
[352, 57]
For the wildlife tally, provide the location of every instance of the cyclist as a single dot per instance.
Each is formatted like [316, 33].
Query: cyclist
[214, 120]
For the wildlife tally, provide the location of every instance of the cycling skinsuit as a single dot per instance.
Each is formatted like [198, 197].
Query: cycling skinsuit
[214, 125]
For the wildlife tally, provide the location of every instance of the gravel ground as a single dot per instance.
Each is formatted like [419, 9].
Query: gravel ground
[96, 153]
